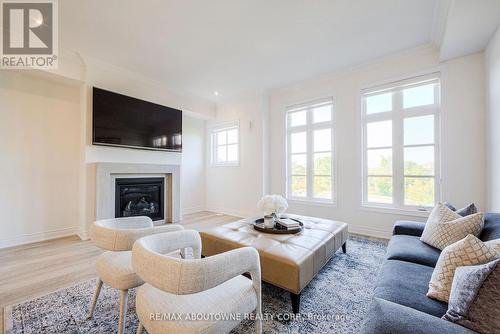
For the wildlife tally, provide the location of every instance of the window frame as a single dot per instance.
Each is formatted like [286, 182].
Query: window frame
[397, 116]
[225, 127]
[309, 128]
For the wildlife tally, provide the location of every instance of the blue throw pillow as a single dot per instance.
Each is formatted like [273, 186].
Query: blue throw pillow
[474, 299]
[468, 210]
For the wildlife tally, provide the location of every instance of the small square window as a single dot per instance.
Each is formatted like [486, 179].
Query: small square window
[225, 146]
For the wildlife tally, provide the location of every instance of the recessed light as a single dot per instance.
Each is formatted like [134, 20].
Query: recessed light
[216, 93]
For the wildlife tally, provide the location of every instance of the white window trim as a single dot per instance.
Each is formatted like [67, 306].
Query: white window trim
[398, 116]
[309, 128]
[213, 148]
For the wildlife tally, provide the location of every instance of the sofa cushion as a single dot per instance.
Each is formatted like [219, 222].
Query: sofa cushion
[407, 283]
[411, 249]
[491, 229]
[407, 227]
[386, 317]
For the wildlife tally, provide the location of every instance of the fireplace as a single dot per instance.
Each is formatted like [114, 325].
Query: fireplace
[109, 204]
[140, 197]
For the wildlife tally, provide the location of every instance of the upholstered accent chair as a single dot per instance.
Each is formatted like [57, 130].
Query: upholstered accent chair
[211, 288]
[114, 267]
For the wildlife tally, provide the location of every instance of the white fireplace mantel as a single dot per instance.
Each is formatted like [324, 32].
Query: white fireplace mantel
[105, 185]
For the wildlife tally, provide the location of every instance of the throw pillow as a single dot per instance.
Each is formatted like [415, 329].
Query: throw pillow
[465, 211]
[495, 243]
[445, 227]
[474, 297]
[466, 252]
[450, 206]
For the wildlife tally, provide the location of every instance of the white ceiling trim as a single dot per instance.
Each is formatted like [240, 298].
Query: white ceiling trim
[441, 12]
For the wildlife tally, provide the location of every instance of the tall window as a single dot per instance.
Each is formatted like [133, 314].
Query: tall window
[400, 147]
[225, 145]
[310, 151]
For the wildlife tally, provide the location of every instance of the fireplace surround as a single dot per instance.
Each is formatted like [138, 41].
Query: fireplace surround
[107, 175]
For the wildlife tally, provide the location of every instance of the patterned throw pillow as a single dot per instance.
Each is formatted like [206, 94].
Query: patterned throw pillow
[445, 227]
[495, 243]
[474, 297]
[466, 252]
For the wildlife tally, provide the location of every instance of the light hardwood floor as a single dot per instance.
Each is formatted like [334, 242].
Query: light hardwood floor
[37, 269]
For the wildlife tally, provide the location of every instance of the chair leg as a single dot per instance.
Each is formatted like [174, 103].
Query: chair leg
[123, 310]
[140, 328]
[184, 253]
[344, 247]
[98, 287]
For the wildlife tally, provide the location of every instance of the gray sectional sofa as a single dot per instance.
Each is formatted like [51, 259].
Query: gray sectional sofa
[400, 304]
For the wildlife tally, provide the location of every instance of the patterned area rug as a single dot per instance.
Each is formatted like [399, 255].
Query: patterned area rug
[334, 302]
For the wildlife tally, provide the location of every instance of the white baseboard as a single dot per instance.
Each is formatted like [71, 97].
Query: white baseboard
[83, 234]
[192, 209]
[370, 232]
[230, 212]
[38, 236]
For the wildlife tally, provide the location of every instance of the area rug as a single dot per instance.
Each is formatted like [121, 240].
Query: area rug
[334, 302]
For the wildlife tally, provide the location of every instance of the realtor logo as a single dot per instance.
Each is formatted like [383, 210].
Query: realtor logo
[29, 34]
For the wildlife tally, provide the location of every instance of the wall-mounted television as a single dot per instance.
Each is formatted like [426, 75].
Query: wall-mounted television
[120, 120]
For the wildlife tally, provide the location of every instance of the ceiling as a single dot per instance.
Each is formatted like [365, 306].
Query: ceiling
[469, 27]
[232, 46]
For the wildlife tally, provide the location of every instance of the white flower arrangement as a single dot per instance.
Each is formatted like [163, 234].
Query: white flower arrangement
[273, 205]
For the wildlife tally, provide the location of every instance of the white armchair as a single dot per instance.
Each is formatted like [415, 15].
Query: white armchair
[211, 287]
[114, 267]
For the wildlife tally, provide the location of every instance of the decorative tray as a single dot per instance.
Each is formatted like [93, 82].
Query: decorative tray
[259, 226]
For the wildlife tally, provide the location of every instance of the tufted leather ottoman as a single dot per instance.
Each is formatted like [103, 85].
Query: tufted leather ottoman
[289, 261]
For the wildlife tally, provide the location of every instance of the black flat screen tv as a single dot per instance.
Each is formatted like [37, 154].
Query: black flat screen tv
[120, 120]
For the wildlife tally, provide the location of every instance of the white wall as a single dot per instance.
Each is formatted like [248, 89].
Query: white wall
[462, 131]
[493, 103]
[103, 74]
[45, 141]
[195, 111]
[123, 81]
[236, 189]
[41, 105]
[40, 158]
[193, 165]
